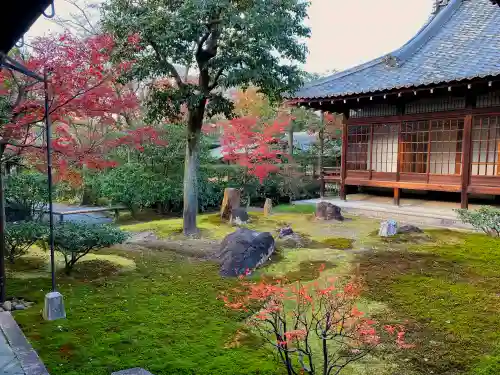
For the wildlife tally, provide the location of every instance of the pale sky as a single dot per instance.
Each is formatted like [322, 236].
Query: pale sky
[345, 33]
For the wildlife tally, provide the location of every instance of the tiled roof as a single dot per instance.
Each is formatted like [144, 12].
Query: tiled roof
[460, 41]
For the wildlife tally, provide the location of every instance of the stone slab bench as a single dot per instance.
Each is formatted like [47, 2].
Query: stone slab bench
[87, 210]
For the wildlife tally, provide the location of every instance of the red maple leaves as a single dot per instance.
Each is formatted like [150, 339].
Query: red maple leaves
[88, 105]
[254, 144]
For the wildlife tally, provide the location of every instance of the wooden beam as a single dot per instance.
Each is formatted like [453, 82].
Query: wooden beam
[466, 161]
[343, 161]
[491, 190]
[404, 185]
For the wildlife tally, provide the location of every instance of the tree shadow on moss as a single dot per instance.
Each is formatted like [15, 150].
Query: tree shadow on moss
[93, 269]
[337, 243]
[308, 270]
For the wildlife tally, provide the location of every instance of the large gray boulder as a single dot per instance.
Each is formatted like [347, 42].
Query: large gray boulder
[244, 250]
[328, 211]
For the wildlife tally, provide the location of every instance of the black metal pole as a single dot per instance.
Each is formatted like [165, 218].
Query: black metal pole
[2, 228]
[49, 183]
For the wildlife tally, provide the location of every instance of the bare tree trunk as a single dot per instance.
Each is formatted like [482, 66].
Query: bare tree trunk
[191, 184]
[191, 166]
[290, 139]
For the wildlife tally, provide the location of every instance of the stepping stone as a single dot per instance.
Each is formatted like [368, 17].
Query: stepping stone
[132, 371]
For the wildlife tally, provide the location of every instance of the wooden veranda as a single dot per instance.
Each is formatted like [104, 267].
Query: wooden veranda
[426, 116]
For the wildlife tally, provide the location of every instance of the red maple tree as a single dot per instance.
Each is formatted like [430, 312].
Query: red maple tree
[89, 108]
[315, 327]
[254, 144]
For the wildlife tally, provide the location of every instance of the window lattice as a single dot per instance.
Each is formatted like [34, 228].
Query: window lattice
[414, 146]
[491, 99]
[433, 147]
[485, 158]
[435, 105]
[357, 148]
[374, 110]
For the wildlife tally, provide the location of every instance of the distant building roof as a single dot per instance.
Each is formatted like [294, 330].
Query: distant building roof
[302, 140]
[460, 41]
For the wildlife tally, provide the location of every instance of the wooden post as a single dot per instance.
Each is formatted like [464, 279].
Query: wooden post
[320, 156]
[466, 161]
[343, 161]
[397, 192]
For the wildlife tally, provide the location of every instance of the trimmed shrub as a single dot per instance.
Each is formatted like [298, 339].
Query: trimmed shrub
[75, 240]
[486, 219]
[26, 193]
[20, 236]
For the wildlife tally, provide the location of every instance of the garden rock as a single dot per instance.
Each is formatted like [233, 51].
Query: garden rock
[328, 211]
[285, 231]
[268, 207]
[293, 240]
[388, 228]
[7, 306]
[409, 229]
[230, 202]
[132, 371]
[239, 216]
[244, 250]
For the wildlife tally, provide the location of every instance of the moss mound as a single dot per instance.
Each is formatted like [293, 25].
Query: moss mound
[338, 243]
[308, 270]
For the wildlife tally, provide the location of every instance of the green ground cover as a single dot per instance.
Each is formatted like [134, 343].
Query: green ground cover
[159, 309]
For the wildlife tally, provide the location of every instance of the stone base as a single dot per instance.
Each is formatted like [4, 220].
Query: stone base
[132, 371]
[54, 306]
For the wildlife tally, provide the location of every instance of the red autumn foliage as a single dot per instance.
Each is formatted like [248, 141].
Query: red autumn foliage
[88, 106]
[300, 318]
[253, 144]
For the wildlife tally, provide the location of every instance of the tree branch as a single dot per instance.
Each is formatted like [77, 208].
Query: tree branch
[216, 79]
[167, 64]
[201, 42]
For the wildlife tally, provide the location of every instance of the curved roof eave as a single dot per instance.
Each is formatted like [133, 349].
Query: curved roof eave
[398, 58]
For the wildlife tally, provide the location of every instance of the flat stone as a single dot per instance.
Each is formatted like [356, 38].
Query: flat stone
[132, 371]
[21, 348]
[19, 307]
[54, 306]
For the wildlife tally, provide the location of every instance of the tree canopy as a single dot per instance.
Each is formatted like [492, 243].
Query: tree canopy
[231, 43]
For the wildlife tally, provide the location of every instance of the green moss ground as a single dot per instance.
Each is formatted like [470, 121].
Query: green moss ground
[295, 208]
[162, 315]
[449, 290]
[160, 311]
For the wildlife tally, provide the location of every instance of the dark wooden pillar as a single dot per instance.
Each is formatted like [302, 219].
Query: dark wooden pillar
[397, 192]
[343, 161]
[466, 161]
[320, 156]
